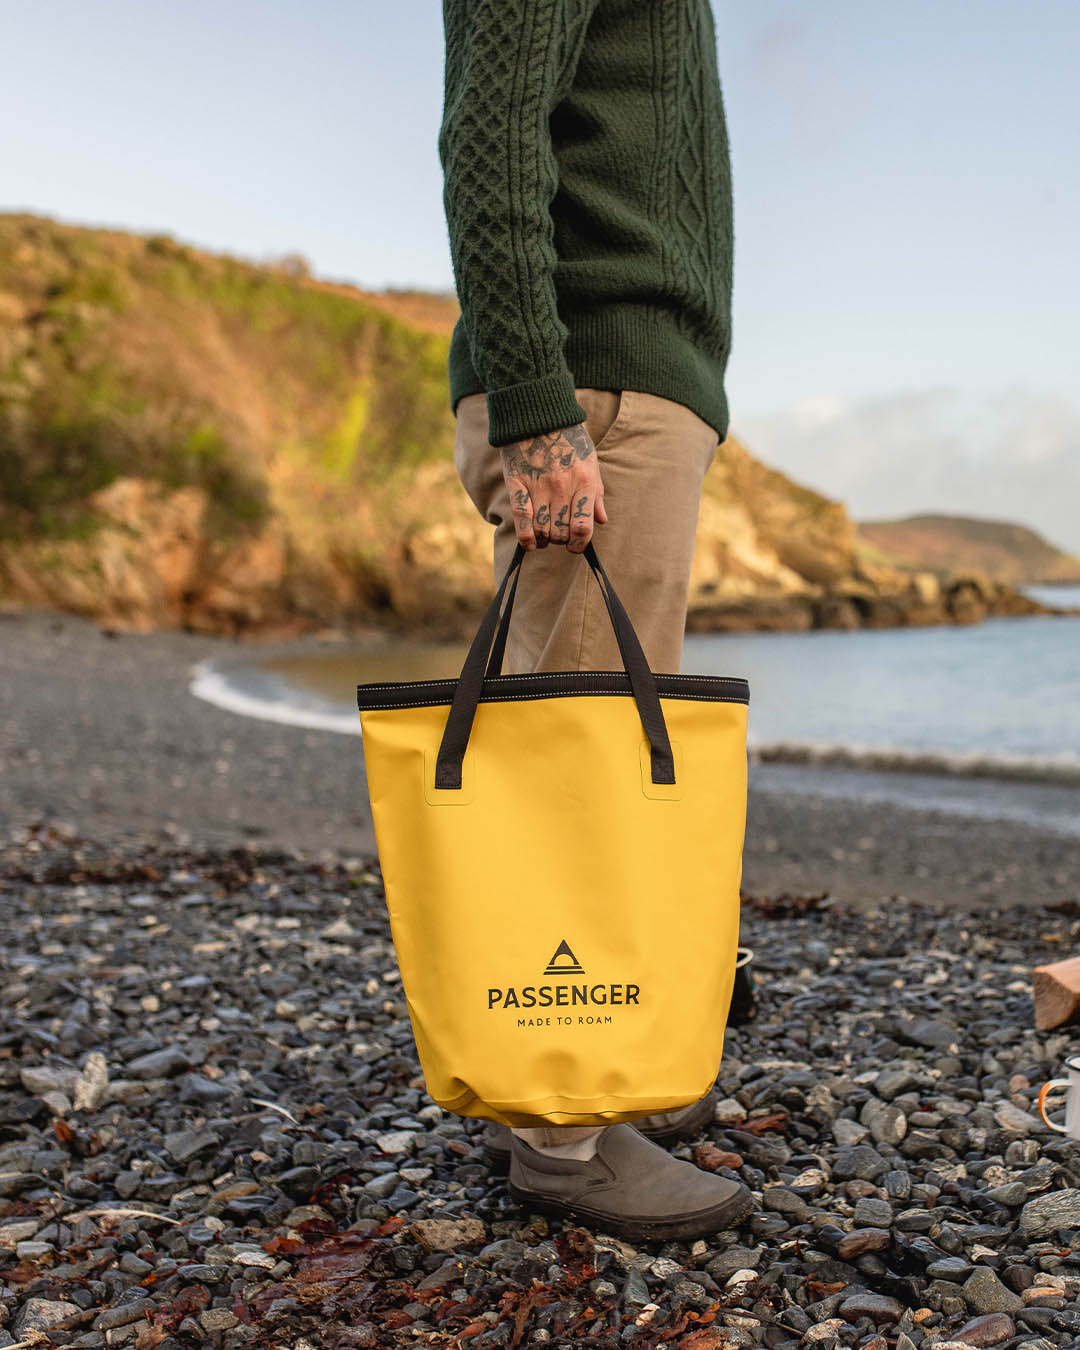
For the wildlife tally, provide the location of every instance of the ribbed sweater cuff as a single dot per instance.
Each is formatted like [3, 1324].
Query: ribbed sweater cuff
[532, 408]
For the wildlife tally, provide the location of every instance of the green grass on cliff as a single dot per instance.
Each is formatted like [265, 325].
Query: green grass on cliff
[123, 354]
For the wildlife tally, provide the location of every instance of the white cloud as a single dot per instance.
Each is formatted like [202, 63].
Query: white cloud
[1014, 455]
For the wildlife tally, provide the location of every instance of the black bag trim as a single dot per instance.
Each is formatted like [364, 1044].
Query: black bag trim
[549, 684]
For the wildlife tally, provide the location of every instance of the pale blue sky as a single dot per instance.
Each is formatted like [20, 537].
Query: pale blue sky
[907, 287]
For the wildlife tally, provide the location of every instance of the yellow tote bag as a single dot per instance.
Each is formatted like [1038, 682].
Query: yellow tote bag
[561, 855]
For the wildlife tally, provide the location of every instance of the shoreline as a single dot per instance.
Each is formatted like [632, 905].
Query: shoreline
[102, 733]
[252, 691]
[796, 612]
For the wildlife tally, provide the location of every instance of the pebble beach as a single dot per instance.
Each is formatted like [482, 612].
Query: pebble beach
[214, 1130]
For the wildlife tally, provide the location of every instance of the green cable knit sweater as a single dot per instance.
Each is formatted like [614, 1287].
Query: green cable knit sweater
[587, 189]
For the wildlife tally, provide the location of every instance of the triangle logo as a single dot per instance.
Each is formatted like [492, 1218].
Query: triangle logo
[564, 962]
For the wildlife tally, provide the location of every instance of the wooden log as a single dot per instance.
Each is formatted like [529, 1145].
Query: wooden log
[1057, 993]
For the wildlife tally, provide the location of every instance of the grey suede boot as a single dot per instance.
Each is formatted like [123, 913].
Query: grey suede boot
[662, 1128]
[632, 1188]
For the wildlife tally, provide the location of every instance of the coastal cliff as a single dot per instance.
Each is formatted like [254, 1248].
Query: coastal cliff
[1001, 549]
[191, 440]
[774, 554]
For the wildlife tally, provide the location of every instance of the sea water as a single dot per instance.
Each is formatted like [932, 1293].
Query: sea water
[967, 709]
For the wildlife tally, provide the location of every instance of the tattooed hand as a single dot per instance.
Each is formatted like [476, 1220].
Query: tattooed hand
[555, 488]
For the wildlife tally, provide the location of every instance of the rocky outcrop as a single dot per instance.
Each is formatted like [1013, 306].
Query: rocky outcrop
[155, 562]
[773, 554]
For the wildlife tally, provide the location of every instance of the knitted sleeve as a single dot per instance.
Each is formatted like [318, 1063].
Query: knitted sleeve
[508, 63]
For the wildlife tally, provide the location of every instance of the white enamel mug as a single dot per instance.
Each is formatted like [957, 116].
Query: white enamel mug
[1071, 1087]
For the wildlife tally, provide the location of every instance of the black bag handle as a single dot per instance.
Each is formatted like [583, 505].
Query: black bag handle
[470, 683]
[494, 666]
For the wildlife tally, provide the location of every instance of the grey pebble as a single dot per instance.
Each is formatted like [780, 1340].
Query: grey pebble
[635, 1290]
[1044, 1215]
[984, 1293]
[862, 1162]
[879, 1307]
[871, 1212]
[123, 1314]
[954, 1268]
[41, 1314]
[159, 1063]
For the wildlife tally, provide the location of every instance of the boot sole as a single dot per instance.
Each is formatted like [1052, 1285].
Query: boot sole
[728, 1215]
[498, 1159]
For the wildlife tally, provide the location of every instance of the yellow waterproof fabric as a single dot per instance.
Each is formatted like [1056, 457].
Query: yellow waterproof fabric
[566, 929]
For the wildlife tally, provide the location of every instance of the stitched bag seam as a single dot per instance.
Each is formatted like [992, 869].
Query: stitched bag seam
[576, 693]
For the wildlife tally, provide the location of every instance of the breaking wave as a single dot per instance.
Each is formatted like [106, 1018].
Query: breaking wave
[1061, 769]
[262, 694]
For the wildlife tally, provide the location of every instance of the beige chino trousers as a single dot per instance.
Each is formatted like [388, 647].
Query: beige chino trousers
[654, 454]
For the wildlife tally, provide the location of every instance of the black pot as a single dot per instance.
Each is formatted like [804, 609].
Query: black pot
[743, 1007]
